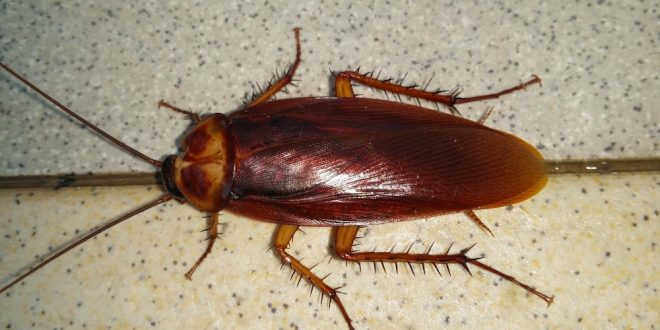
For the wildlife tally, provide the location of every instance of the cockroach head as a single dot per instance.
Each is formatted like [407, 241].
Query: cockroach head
[202, 174]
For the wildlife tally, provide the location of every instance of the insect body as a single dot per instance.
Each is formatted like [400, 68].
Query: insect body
[343, 162]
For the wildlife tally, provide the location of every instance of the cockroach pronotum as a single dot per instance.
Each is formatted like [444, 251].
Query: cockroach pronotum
[342, 162]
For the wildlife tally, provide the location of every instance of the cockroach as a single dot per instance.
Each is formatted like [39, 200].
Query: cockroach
[343, 162]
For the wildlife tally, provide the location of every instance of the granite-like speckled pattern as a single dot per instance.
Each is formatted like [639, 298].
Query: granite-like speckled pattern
[113, 61]
[591, 241]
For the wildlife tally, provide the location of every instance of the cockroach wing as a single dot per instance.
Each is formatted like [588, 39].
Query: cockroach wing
[325, 162]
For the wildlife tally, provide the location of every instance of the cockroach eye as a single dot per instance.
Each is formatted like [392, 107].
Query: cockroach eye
[167, 177]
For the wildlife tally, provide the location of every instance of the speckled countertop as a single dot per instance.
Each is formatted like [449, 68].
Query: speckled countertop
[589, 240]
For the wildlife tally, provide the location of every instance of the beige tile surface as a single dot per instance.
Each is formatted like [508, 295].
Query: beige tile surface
[591, 241]
[113, 61]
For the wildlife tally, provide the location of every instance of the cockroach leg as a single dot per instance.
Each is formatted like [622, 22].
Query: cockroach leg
[282, 240]
[346, 235]
[193, 116]
[478, 221]
[213, 235]
[282, 81]
[535, 80]
[343, 88]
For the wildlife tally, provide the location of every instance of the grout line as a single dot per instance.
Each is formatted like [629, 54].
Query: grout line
[602, 166]
[596, 166]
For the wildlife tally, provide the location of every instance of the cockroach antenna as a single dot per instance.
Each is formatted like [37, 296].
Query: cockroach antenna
[91, 234]
[101, 132]
[72, 245]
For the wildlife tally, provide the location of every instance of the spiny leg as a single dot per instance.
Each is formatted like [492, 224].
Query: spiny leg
[345, 237]
[282, 81]
[193, 116]
[343, 88]
[212, 236]
[282, 240]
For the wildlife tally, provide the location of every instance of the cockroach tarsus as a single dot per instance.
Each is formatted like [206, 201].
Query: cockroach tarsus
[341, 162]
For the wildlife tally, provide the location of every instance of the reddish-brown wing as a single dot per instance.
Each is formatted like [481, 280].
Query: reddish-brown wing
[329, 161]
